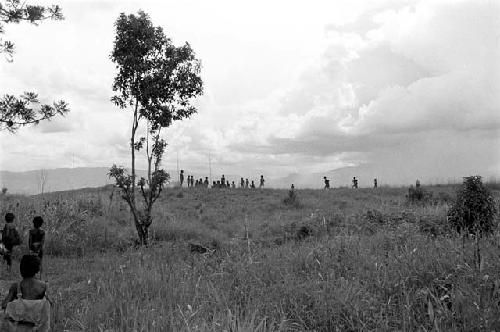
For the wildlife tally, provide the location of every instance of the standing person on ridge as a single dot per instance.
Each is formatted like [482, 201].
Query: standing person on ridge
[261, 185]
[327, 182]
[242, 183]
[375, 183]
[246, 183]
[181, 177]
[354, 183]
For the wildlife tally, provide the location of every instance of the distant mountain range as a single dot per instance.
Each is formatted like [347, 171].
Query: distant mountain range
[58, 179]
[30, 182]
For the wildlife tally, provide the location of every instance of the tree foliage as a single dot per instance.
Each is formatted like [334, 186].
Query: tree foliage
[15, 11]
[26, 109]
[16, 112]
[158, 82]
[474, 209]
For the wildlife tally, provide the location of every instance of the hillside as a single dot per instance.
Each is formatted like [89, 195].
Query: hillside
[338, 260]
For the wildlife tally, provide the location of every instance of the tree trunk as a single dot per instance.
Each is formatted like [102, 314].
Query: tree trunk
[133, 207]
[132, 147]
[140, 231]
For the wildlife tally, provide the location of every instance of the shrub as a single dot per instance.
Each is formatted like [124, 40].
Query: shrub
[4, 191]
[375, 216]
[433, 225]
[292, 199]
[474, 209]
[418, 195]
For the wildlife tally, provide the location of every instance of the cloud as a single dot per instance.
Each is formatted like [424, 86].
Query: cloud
[398, 85]
[408, 84]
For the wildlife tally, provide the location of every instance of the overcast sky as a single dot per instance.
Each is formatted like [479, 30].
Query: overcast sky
[410, 88]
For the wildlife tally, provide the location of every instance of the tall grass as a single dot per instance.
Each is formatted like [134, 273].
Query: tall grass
[373, 262]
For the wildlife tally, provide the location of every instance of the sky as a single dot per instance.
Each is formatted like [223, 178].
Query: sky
[409, 89]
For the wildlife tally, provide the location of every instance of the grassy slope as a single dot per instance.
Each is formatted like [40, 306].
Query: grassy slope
[370, 264]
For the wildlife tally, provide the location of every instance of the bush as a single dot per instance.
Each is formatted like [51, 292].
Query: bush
[474, 208]
[418, 195]
[292, 199]
[433, 225]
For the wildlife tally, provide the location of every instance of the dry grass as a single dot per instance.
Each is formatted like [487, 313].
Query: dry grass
[373, 262]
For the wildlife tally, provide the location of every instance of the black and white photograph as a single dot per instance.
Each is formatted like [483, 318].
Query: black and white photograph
[237, 166]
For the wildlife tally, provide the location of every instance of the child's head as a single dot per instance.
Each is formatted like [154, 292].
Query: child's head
[30, 266]
[37, 222]
[9, 217]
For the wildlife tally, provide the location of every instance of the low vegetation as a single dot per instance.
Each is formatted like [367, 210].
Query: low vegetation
[343, 260]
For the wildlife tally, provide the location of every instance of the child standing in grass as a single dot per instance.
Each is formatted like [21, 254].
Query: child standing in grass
[10, 238]
[37, 239]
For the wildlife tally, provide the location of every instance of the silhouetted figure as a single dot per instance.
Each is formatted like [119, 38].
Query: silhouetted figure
[223, 180]
[242, 183]
[375, 183]
[206, 182]
[246, 183]
[214, 184]
[181, 177]
[327, 182]
[233, 185]
[417, 184]
[218, 183]
[292, 187]
[261, 185]
[197, 184]
[200, 183]
[252, 185]
[354, 183]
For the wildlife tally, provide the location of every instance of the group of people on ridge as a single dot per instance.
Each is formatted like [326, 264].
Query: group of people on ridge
[354, 183]
[222, 183]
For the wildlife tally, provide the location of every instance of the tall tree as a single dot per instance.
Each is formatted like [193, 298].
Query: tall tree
[16, 112]
[157, 82]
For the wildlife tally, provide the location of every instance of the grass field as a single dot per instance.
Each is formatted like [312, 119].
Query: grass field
[371, 262]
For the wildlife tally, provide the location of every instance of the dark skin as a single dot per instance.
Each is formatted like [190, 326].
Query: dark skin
[31, 288]
[35, 246]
